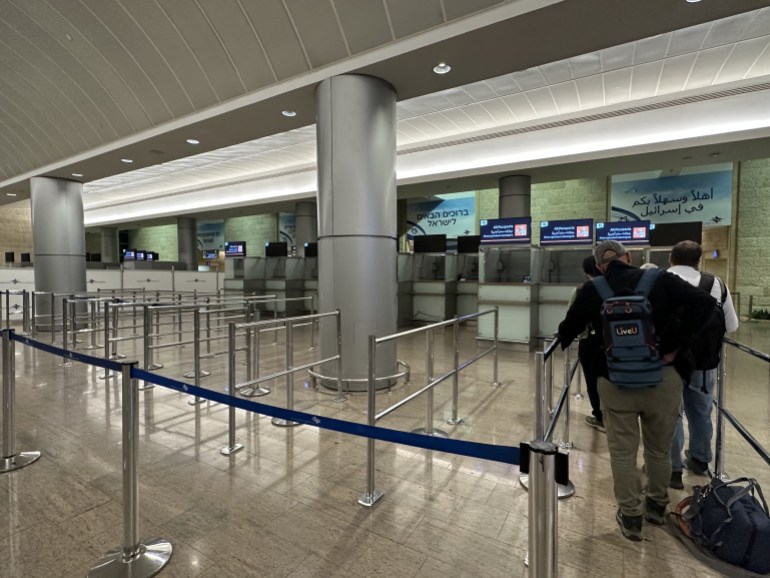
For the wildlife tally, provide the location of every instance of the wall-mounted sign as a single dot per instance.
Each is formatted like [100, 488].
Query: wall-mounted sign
[701, 193]
[511, 231]
[451, 215]
[572, 232]
[626, 232]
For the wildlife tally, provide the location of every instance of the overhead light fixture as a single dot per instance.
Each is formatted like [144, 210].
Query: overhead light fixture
[692, 1]
[442, 68]
[10, 194]
[288, 113]
[77, 174]
[127, 161]
[68, 36]
[193, 141]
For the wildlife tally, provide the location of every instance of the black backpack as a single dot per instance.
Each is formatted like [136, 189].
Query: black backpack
[707, 345]
[630, 344]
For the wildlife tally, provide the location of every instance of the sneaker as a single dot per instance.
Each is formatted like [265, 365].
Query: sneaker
[655, 513]
[631, 526]
[696, 466]
[676, 482]
[591, 421]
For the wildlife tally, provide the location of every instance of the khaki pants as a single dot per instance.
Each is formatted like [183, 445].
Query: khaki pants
[657, 409]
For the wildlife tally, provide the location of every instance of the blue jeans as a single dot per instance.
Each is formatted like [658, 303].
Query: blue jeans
[698, 399]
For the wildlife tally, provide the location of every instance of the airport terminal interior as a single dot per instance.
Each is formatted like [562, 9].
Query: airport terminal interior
[236, 199]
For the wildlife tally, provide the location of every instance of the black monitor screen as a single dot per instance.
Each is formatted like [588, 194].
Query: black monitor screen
[152, 256]
[627, 232]
[669, 234]
[429, 243]
[311, 249]
[510, 231]
[468, 244]
[96, 257]
[277, 249]
[210, 255]
[129, 255]
[26, 258]
[141, 255]
[235, 248]
[9, 257]
[572, 232]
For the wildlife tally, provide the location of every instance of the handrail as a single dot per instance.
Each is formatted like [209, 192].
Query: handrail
[436, 325]
[747, 349]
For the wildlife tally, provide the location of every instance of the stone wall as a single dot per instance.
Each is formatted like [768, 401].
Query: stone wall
[16, 229]
[573, 199]
[162, 239]
[255, 230]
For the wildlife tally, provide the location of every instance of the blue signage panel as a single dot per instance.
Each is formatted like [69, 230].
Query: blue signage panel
[235, 248]
[626, 232]
[572, 232]
[512, 231]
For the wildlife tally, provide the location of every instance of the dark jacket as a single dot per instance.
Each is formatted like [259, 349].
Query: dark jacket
[679, 312]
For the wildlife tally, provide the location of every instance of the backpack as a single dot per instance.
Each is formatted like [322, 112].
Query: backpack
[730, 520]
[630, 344]
[707, 345]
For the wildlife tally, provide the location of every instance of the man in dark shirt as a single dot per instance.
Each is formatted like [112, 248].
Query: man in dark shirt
[678, 312]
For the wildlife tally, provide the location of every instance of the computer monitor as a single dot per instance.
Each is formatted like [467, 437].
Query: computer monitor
[429, 243]
[311, 249]
[9, 257]
[235, 248]
[141, 255]
[669, 234]
[569, 232]
[210, 255]
[468, 244]
[626, 232]
[26, 257]
[277, 249]
[129, 255]
[508, 231]
[151, 256]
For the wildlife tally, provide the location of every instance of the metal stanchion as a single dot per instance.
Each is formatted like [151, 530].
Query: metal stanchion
[115, 323]
[147, 341]
[134, 559]
[256, 390]
[53, 317]
[566, 443]
[92, 325]
[454, 420]
[64, 331]
[496, 382]
[370, 497]
[719, 449]
[341, 396]
[25, 311]
[275, 316]
[107, 372]
[428, 430]
[232, 447]
[34, 315]
[196, 373]
[12, 460]
[7, 309]
[289, 378]
[543, 521]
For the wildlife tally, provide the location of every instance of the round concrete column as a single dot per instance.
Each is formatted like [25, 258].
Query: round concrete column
[58, 235]
[110, 250]
[357, 243]
[515, 196]
[187, 242]
[306, 224]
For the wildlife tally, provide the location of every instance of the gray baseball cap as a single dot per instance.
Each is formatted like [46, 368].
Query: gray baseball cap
[606, 246]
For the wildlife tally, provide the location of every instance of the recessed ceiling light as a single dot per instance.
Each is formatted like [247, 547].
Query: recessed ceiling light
[128, 161]
[692, 1]
[288, 113]
[77, 174]
[193, 141]
[442, 68]
[68, 36]
[11, 194]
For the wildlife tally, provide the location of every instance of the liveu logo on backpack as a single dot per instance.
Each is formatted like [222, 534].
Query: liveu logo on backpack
[631, 347]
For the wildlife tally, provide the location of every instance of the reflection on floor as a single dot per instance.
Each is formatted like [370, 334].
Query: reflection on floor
[286, 505]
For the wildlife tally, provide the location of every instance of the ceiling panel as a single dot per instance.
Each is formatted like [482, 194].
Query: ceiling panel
[364, 23]
[707, 65]
[761, 66]
[479, 91]
[617, 57]
[520, 107]
[556, 72]
[688, 39]
[480, 116]
[458, 8]
[617, 86]
[408, 17]
[566, 97]
[760, 24]
[586, 64]
[543, 103]
[234, 30]
[319, 30]
[645, 79]
[675, 73]
[442, 123]
[207, 47]
[729, 30]
[175, 54]
[499, 111]
[530, 79]
[505, 84]
[591, 91]
[279, 38]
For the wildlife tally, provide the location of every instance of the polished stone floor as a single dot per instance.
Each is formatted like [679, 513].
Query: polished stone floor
[285, 506]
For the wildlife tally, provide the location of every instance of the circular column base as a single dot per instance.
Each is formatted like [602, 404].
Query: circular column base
[277, 422]
[564, 490]
[20, 460]
[150, 559]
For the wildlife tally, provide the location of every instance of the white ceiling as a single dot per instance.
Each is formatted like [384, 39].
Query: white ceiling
[692, 61]
[84, 83]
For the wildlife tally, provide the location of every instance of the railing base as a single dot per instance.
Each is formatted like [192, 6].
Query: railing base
[20, 460]
[368, 500]
[564, 490]
[150, 559]
[457, 421]
[277, 422]
[154, 366]
[203, 373]
[436, 433]
[196, 401]
[230, 450]
[254, 391]
[145, 386]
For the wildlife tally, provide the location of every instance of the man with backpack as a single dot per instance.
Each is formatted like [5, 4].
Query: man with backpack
[643, 319]
[699, 392]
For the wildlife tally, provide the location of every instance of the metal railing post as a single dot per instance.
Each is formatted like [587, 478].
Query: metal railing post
[341, 396]
[115, 323]
[543, 522]
[7, 293]
[289, 377]
[454, 420]
[370, 497]
[107, 372]
[134, 558]
[429, 429]
[196, 373]
[25, 311]
[64, 331]
[149, 356]
[256, 390]
[541, 408]
[34, 314]
[566, 443]
[11, 460]
[496, 382]
[53, 317]
[548, 376]
[232, 446]
[719, 449]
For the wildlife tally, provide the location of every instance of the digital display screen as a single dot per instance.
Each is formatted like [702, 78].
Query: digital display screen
[468, 244]
[516, 230]
[150, 256]
[669, 234]
[235, 248]
[626, 232]
[311, 249]
[210, 255]
[572, 232]
[277, 249]
[129, 255]
[141, 255]
[429, 243]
